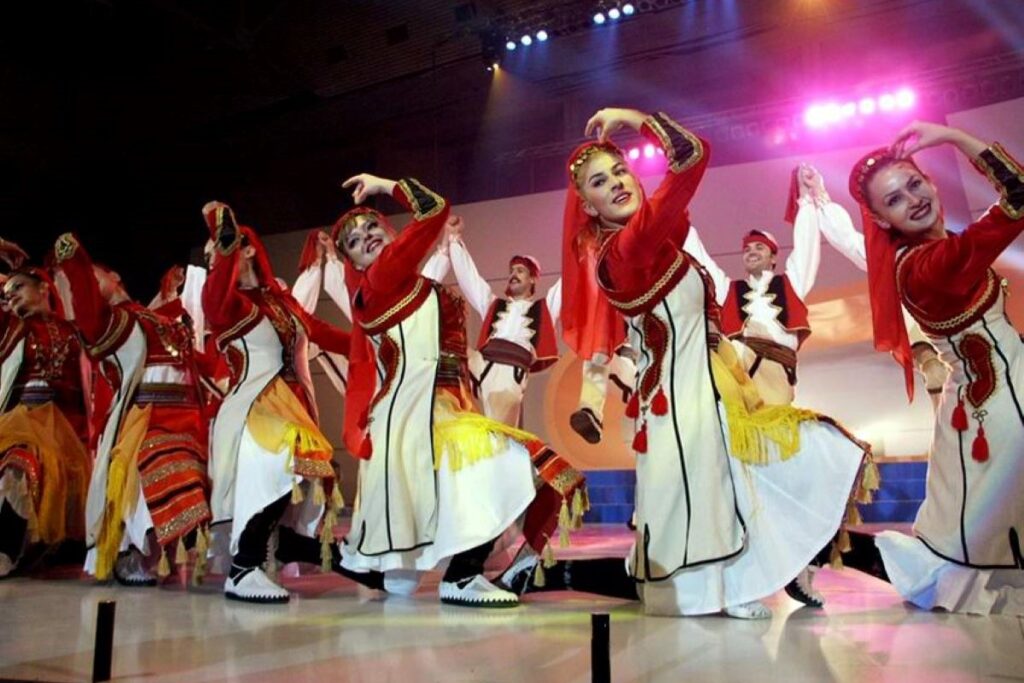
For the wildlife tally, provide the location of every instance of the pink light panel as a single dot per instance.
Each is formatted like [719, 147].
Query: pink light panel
[821, 115]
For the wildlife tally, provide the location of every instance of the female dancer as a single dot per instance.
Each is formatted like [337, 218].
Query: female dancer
[966, 554]
[733, 498]
[437, 480]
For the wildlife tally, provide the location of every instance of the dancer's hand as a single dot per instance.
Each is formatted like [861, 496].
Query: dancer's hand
[609, 120]
[922, 135]
[11, 254]
[325, 246]
[810, 181]
[453, 227]
[366, 185]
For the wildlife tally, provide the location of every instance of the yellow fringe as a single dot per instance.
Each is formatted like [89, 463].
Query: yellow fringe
[326, 539]
[580, 505]
[337, 500]
[123, 489]
[753, 426]
[564, 524]
[539, 579]
[548, 556]
[852, 515]
[202, 548]
[835, 558]
[163, 570]
[318, 492]
[467, 438]
[297, 496]
[180, 553]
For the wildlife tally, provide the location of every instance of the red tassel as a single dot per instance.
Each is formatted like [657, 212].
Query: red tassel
[633, 406]
[659, 406]
[979, 450]
[960, 417]
[640, 440]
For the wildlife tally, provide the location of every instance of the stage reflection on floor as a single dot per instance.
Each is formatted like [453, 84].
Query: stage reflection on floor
[335, 631]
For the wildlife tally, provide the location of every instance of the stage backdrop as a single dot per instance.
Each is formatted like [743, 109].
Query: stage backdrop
[840, 374]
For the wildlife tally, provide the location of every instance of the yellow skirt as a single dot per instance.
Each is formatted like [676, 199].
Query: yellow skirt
[42, 443]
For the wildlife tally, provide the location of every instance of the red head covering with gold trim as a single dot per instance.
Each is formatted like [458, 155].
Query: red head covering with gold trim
[590, 324]
[881, 245]
[52, 294]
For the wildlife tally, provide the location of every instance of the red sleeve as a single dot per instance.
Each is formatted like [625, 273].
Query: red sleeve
[92, 312]
[173, 309]
[325, 335]
[399, 262]
[223, 305]
[953, 268]
[660, 226]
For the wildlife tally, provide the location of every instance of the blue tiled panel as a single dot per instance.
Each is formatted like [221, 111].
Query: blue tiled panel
[901, 493]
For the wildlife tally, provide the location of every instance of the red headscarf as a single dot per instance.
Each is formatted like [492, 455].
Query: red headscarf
[52, 295]
[792, 201]
[362, 376]
[589, 323]
[881, 245]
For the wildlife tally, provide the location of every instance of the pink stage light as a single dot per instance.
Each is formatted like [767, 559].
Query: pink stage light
[867, 106]
[814, 116]
[648, 151]
[905, 98]
[887, 102]
[634, 153]
[849, 110]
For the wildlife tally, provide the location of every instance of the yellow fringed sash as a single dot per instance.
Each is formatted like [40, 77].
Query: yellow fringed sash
[277, 419]
[123, 488]
[753, 426]
[465, 438]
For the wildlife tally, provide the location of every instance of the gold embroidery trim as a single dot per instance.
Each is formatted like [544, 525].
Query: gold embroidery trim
[119, 321]
[654, 122]
[957, 320]
[999, 153]
[234, 329]
[417, 209]
[405, 301]
[654, 291]
[65, 247]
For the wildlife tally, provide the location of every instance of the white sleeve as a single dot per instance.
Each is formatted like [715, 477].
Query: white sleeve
[554, 301]
[306, 289]
[474, 288]
[695, 248]
[802, 264]
[838, 230]
[436, 267]
[192, 301]
[334, 285]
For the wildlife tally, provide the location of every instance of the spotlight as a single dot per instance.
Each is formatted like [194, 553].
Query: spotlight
[814, 117]
[887, 102]
[634, 153]
[628, 9]
[614, 13]
[867, 106]
[510, 45]
[905, 98]
[849, 110]
[599, 18]
[649, 151]
[542, 35]
[526, 40]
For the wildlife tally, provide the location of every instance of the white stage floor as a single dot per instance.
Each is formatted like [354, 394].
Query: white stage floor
[335, 631]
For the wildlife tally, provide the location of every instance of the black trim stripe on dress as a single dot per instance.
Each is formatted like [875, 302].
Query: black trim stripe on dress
[325, 357]
[960, 444]
[963, 564]
[675, 427]
[387, 438]
[245, 369]
[701, 563]
[1006, 367]
[362, 538]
